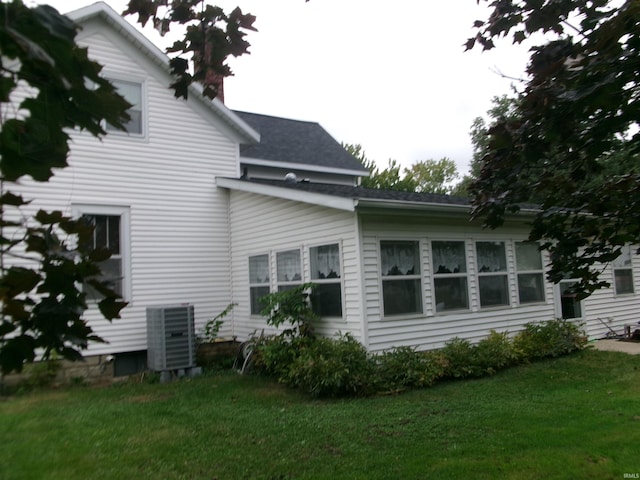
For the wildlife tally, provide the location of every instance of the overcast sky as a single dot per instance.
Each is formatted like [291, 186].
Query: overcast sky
[391, 76]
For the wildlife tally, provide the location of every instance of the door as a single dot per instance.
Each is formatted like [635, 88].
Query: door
[570, 306]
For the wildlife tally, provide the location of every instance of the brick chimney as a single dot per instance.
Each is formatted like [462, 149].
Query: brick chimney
[216, 79]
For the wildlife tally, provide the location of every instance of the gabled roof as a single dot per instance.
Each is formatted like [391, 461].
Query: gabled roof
[144, 45]
[293, 144]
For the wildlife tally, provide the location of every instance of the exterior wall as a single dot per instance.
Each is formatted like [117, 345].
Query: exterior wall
[605, 310]
[265, 225]
[432, 329]
[165, 180]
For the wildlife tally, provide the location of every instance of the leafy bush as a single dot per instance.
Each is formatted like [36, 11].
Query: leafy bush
[212, 327]
[403, 367]
[333, 367]
[273, 356]
[495, 352]
[291, 307]
[461, 359]
[549, 339]
[41, 374]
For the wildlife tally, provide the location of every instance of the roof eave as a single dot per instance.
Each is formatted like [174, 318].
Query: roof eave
[331, 201]
[363, 203]
[303, 166]
[411, 205]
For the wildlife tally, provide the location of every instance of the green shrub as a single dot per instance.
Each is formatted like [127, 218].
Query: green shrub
[403, 367]
[461, 359]
[41, 374]
[333, 367]
[292, 307]
[549, 339]
[274, 355]
[495, 352]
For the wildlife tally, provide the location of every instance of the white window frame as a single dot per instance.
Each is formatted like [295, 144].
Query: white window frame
[329, 280]
[538, 272]
[624, 263]
[435, 276]
[254, 284]
[78, 210]
[504, 274]
[386, 278]
[143, 107]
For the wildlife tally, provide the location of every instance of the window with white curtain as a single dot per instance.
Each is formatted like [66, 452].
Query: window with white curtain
[401, 279]
[450, 275]
[326, 275]
[530, 272]
[259, 281]
[623, 272]
[493, 281]
[289, 268]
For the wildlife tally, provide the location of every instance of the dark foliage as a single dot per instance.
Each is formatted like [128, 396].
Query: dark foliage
[575, 116]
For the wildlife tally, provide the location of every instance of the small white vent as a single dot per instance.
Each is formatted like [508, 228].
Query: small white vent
[170, 337]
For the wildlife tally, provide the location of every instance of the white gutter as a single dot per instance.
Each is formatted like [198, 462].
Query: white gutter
[302, 166]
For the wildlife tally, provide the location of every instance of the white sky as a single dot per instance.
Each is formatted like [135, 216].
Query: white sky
[392, 76]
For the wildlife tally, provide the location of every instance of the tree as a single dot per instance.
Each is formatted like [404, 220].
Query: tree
[44, 259]
[576, 114]
[211, 36]
[426, 176]
[433, 176]
[502, 108]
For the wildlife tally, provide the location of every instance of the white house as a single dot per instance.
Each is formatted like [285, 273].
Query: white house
[206, 206]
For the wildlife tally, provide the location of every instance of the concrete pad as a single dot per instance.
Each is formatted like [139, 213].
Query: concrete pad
[632, 348]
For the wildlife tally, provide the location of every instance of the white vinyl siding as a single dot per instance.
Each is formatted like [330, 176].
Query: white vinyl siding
[434, 328]
[260, 224]
[178, 220]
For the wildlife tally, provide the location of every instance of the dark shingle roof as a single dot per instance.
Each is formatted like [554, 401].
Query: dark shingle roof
[361, 193]
[294, 141]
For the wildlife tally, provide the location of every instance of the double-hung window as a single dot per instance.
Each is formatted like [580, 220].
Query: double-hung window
[530, 273]
[132, 93]
[289, 268]
[258, 281]
[450, 275]
[493, 281]
[110, 232]
[325, 274]
[623, 272]
[401, 279]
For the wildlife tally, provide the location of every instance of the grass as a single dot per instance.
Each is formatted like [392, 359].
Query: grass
[573, 417]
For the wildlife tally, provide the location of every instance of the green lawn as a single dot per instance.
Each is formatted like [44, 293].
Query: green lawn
[574, 417]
